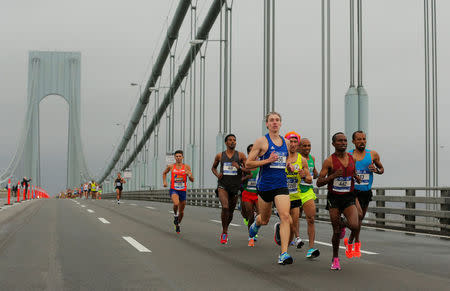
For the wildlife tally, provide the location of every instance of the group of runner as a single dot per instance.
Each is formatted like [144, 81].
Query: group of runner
[91, 189]
[280, 170]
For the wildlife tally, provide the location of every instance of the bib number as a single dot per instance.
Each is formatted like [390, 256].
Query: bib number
[229, 169]
[342, 184]
[292, 185]
[251, 184]
[364, 176]
[281, 162]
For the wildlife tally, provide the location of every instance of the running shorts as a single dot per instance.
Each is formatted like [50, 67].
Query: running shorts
[340, 201]
[296, 203]
[249, 197]
[269, 196]
[308, 195]
[230, 189]
[181, 194]
[364, 197]
[119, 187]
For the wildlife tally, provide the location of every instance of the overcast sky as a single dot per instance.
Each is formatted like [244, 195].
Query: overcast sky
[117, 40]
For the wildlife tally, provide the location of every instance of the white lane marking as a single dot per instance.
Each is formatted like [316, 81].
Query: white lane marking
[149, 207]
[83, 205]
[136, 244]
[221, 222]
[171, 211]
[341, 247]
[103, 220]
[90, 211]
[133, 204]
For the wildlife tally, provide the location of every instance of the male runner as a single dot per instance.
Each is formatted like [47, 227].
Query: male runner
[229, 181]
[269, 153]
[93, 188]
[250, 198]
[178, 186]
[338, 171]
[308, 196]
[299, 172]
[119, 186]
[367, 163]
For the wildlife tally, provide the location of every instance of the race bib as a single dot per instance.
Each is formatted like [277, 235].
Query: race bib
[179, 184]
[292, 185]
[281, 162]
[251, 184]
[342, 184]
[229, 169]
[364, 175]
[118, 184]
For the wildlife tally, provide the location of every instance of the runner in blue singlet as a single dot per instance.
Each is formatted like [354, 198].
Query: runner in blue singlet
[270, 153]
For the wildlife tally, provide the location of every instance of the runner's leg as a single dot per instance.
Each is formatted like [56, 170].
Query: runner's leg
[295, 214]
[361, 214]
[223, 197]
[283, 204]
[181, 207]
[310, 212]
[176, 201]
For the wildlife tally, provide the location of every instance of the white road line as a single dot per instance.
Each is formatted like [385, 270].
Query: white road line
[136, 244]
[90, 211]
[133, 204]
[103, 220]
[149, 207]
[171, 211]
[83, 205]
[341, 247]
[221, 222]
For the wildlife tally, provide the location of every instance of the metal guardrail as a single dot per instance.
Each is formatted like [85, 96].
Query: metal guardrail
[406, 212]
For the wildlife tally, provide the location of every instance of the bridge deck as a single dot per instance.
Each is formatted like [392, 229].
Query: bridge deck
[61, 245]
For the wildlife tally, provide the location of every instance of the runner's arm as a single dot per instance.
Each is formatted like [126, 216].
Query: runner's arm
[258, 148]
[305, 169]
[379, 166]
[214, 166]
[189, 173]
[323, 178]
[242, 161]
[315, 174]
[164, 175]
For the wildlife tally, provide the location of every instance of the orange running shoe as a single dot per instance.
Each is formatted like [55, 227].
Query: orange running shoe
[349, 249]
[357, 250]
[251, 242]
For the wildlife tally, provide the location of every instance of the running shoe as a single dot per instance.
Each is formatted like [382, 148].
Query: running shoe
[175, 220]
[276, 236]
[224, 238]
[255, 238]
[118, 201]
[357, 250]
[177, 228]
[335, 265]
[312, 253]
[253, 230]
[348, 249]
[298, 242]
[285, 259]
[251, 242]
[246, 222]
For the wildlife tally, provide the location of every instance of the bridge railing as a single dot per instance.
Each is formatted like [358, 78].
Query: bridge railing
[401, 208]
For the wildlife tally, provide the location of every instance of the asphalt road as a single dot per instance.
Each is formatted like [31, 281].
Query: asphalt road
[52, 244]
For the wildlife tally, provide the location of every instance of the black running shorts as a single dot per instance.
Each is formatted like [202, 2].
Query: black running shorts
[364, 197]
[340, 201]
[269, 196]
[296, 203]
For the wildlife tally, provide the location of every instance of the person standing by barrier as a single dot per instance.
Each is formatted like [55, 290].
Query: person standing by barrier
[25, 182]
[270, 153]
[178, 186]
[229, 181]
[338, 172]
[367, 163]
[118, 185]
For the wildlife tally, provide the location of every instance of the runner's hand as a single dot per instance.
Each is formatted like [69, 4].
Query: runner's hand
[372, 168]
[273, 157]
[165, 184]
[290, 167]
[236, 165]
[302, 173]
[220, 176]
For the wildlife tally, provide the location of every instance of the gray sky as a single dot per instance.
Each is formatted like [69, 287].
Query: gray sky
[117, 41]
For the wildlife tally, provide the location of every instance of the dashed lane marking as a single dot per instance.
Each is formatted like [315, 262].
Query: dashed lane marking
[136, 244]
[218, 221]
[90, 211]
[103, 220]
[149, 207]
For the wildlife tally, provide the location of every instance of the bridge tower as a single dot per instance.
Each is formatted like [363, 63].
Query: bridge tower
[54, 73]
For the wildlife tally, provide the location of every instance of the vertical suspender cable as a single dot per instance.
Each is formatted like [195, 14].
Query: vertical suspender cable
[427, 95]
[435, 93]
[328, 80]
[323, 80]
